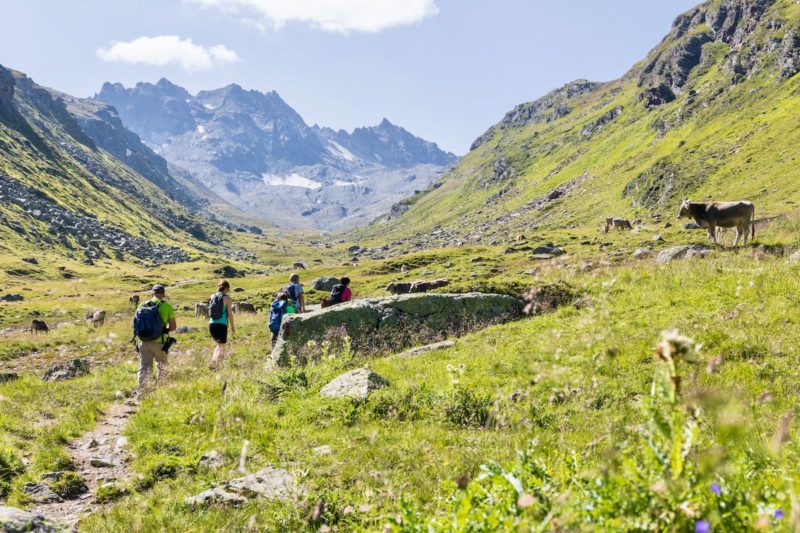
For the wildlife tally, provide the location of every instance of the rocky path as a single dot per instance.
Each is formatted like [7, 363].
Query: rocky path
[101, 457]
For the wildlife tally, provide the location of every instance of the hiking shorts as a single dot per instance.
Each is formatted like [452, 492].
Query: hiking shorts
[219, 332]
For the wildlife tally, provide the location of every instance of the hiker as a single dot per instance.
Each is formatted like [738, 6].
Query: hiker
[294, 290]
[276, 312]
[341, 292]
[152, 323]
[220, 318]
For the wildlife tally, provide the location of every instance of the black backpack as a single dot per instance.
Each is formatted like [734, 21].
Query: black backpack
[216, 306]
[337, 293]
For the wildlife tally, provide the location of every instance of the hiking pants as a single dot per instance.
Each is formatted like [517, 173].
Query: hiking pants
[150, 351]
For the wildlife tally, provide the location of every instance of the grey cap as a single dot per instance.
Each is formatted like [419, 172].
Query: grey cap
[159, 289]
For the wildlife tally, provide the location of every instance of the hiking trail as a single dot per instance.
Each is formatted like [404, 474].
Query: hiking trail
[100, 456]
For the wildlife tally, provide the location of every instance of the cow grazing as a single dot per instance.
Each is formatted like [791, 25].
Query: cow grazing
[200, 309]
[714, 215]
[134, 300]
[244, 307]
[617, 223]
[39, 325]
[299, 266]
[96, 318]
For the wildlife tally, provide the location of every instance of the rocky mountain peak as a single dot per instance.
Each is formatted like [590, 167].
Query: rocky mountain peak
[6, 86]
[549, 107]
[754, 31]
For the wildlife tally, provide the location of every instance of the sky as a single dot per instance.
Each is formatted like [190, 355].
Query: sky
[445, 70]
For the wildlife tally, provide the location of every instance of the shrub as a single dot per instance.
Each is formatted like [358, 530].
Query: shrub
[69, 484]
[463, 407]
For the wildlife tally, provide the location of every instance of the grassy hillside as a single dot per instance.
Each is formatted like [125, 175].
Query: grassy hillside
[731, 132]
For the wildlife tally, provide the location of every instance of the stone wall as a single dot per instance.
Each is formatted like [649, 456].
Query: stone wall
[391, 324]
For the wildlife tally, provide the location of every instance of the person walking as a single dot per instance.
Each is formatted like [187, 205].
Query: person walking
[219, 321]
[295, 292]
[152, 324]
[276, 312]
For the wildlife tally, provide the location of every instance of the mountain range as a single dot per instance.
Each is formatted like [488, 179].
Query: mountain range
[254, 151]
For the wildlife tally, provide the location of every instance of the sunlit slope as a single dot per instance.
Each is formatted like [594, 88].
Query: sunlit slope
[712, 113]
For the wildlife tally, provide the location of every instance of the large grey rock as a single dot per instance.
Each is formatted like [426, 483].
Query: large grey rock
[358, 383]
[69, 370]
[324, 284]
[395, 323]
[13, 520]
[269, 483]
[686, 251]
[215, 496]
[40, 493]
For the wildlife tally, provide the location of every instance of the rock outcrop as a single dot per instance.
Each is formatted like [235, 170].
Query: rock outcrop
[393, 323]
[358, 383]
[13, 520]
[324, 284]
[687, 251]
[69, 370]
[269, 483]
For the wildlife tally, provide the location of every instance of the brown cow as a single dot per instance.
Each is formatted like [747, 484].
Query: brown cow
[299, 266]
[39, 325]
[714, 215]
[96, 318]
[134, 300]
[617, 223]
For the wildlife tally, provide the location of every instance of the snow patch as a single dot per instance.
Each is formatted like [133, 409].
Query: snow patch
[292, 180]
[339, 150]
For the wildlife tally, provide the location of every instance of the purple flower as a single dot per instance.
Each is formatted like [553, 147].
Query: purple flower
[716, 489]
[778, 514]
[701, 526]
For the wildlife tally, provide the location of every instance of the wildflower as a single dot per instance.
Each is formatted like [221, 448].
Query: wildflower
[702, 526]
[778, 514]
[526, 500]
[716, 489]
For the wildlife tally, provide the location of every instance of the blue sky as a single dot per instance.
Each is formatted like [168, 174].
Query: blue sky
[444, 69]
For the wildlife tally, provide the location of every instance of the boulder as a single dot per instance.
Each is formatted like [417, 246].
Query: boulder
[642, 253]
[391, 321]
[686, 251]
[324, 284]
[228, 271]
[269, 483]
[358, 383]
[13, 520]
[31, 260]
[69, 370]
[415, 287]
[41, 493]
[548, 249]
[215, 496]
[11, 298]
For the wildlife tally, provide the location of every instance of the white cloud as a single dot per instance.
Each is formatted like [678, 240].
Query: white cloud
[168, 50]
[333, 15]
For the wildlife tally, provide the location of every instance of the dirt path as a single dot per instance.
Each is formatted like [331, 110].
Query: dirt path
[101, 456]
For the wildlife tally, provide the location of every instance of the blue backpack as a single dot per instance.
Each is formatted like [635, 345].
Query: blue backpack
[276, 312]
[147, 322]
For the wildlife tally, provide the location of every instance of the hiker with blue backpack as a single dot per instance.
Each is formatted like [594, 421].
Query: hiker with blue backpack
[220, 319]
[276, 312]
[152, 324]
[297, 300]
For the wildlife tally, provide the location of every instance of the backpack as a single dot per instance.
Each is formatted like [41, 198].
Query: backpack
[337, 293]
[147, 322]
[291, 290]
[276, 316]
[216, 306]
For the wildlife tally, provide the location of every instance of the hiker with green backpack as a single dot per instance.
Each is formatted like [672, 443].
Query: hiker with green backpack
[152, 324]
[220, 313]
